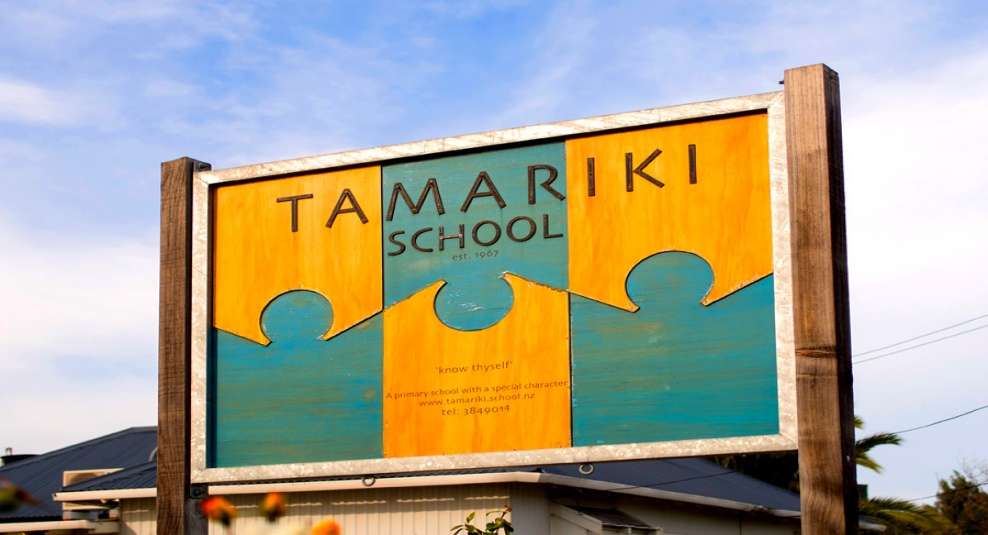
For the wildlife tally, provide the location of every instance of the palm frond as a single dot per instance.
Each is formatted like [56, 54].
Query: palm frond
[900, 516]
[878, 439]
[863, 446]
[865, 461]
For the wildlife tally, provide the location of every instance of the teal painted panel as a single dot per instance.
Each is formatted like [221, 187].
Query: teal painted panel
[675, 369]
[508, 220]
[301, 398]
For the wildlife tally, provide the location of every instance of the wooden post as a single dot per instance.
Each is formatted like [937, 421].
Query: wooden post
[175, 506]
[825, 404]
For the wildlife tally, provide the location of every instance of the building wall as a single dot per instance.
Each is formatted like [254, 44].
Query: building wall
[434, 510]
[405, 511]
[677, 518]
[686, 519]
[138, 517]
[529, 508]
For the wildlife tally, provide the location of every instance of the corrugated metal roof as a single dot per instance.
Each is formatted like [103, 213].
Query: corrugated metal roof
[694, 476]
[142, 476]
[41, 475]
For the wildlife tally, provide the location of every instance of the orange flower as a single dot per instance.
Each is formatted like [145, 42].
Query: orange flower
[218, 509]
[11, 497]
[327, 527]
[274, 506]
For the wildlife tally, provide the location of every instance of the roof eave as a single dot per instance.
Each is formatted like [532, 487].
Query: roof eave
[665, 495]
[434, 481]
[91, 526]
[101, 495]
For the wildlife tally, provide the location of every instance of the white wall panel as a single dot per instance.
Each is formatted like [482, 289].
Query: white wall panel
[138, 517]
[434, 510]
[683, 519]
[529, 508]
[401, 511]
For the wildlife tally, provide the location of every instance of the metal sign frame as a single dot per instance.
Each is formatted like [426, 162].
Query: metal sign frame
[773, 104]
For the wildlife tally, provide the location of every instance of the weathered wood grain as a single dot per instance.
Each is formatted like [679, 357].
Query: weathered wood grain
[725, 217]
[820, 309]
[175, 507]
[518, 369]
[264, 248]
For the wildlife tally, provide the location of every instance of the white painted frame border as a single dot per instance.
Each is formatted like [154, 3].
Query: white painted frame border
[771, 103]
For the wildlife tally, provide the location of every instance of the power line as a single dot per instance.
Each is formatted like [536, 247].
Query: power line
[921, 345]
[965, 322]
[942, 421]
[937, 495]
[728, 472]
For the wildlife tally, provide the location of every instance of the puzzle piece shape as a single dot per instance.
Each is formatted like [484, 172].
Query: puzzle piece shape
[685, 370]
[473, 303]
[502, 388]
[467, 220]
[724, 215]
[258, 256]
[301, 398]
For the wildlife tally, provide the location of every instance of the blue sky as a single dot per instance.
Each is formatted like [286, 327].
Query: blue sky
[95, 94]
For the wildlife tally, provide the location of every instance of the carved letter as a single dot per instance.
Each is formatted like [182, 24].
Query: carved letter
[497, 233]
[415, 240]
[545, 185]
[591, 178]
[692, 164]
[294, 200]
[443, 237]
[511, 225]
[639, 170]
[399, 189]
[391, 238]
[354, 208]
[545, 229]
[482, 178]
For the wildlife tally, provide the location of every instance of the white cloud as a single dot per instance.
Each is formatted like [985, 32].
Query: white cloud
[66, 299]
[164, 88]
[78, 331]
[311, 98]
[915, 185]
[14, 151]
[564, 60]
[469, 9]
[25, 103]
[43, 24]
[48, 412]
[915, 180]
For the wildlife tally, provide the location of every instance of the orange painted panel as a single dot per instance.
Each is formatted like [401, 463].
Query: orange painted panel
[257, 256]
[502, 388]
[724, 217]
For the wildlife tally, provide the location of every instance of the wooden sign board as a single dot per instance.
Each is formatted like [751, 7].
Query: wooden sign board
[609, 288]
